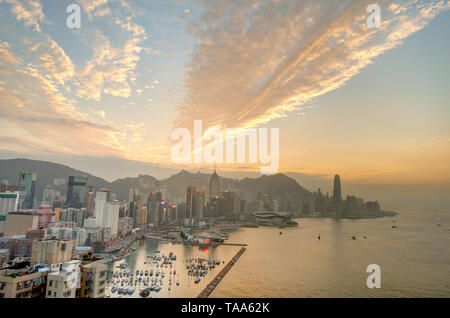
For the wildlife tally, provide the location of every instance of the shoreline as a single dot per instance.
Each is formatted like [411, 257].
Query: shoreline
[385, 214]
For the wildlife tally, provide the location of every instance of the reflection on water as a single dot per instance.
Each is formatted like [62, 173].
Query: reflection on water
[414, 259]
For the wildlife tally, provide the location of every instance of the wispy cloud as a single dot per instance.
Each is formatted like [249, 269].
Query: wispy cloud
[258, 60]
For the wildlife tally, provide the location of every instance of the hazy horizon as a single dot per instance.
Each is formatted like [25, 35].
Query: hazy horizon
[391, 196]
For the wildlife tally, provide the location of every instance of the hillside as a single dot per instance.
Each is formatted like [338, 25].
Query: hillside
[45, 172]
[248, 188]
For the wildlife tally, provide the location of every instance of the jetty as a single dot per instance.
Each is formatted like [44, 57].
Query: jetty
[213, 284]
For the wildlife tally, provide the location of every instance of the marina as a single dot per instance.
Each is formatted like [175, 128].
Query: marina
[262, 272]
[158, 269]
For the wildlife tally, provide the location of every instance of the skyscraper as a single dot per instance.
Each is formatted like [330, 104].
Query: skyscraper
[27, 186]
[190, 195]
[213, 185]
[76, 192]
[337, 197]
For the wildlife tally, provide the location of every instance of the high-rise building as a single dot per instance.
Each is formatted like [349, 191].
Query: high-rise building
[76, 192]
[67, 231]
[111, 217]
[337, 196]
[154, 207]
[9, 202]
[213, 185]
[46, 215]
[198, 204]
[27, 187]
[108, 193]
[106, 213]
[51, 251]
[190, 195]
[99, 211]
[90, 203]
[73, 215]
[195, 203]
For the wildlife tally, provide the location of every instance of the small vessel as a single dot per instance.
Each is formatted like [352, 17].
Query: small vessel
[178, 283]
[281, 232]
[394, 226]
[145, 292]
[353, 238]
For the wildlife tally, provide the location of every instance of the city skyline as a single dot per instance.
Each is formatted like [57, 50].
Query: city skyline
[67, 96]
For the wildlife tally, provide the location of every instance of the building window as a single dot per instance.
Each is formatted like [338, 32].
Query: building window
[20, 285]
[28, 284]
[50, 283]
[67, 294]
[102, 274]
[2, 295]
[49, 293]
[2, 285]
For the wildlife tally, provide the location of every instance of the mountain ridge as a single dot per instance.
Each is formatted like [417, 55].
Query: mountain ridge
[278, 184]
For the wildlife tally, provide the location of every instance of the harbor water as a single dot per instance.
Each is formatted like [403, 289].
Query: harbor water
[412, 250]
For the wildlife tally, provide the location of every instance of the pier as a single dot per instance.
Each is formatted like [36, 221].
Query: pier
[213, 284]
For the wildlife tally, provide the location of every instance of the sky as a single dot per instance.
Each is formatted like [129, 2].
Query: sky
[369, 104]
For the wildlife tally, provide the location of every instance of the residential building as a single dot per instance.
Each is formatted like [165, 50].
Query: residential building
[22, 284]
[51, 251]
[64, 282]
[46, 215]
[93, 279]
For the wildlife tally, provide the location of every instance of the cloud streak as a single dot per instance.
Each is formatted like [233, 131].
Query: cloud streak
[256, 61]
